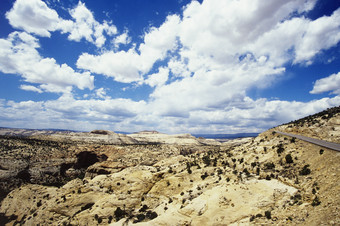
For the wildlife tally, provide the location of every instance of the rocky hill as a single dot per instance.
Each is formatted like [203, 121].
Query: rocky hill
[270, 179]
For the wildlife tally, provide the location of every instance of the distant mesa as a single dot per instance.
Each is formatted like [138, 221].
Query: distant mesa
[102, 132]
[148, 132]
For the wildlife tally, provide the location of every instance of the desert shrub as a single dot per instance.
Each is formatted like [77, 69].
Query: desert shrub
[188, 168]
[170, 170]
[314, 191]
[292, 140]
[268, 214]
[252, 218]
[206, 160]
[269, 165]
[225, 163]
[289, 159]
[39, 203]
[87, 206]
[140, 217]
[119, 213]
[258, 171]
[296, 198]
[144, 208]
[110, 219]
[316, 201]
[215, 162]
[151, 215]
[305, 170]
[280, 149]
[321, 151]
[205, 175]
[246, 172]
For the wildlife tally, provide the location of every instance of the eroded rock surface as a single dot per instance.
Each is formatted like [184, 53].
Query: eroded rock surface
[267, 180]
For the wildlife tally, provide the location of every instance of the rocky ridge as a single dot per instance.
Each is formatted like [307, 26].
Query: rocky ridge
[270, 179]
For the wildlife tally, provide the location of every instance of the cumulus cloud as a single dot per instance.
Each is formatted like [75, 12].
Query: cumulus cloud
[328, 84]
[70, 113]
[34, 16]
[31, 88]
[130, 66]
[158, 41]
[101, 93]
[201, 66]
[85, 26]
[226, 48]
[121, 39]
[128, 115]
[19, 55]
[320, 34]
[122, 66]
[158, 79]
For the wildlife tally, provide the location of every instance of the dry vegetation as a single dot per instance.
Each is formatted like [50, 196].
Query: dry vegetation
[271, 179]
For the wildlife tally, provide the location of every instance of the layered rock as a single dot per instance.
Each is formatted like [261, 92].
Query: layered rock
[270, 179]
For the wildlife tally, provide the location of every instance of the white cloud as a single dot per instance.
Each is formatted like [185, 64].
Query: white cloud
[85, 26]
[158, 41]
[228, 28]
[158, 79]
[328, 84]
[130, 66]
[178, 67]
[212, 56]
[101, 93]
[229, 47]
[122, 66]
[34, 16]
[127, 115]
[320, 34]
[121, 39]
[18, 55]
[31, 88]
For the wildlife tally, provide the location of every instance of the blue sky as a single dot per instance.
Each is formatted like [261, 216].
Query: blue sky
[177, 66]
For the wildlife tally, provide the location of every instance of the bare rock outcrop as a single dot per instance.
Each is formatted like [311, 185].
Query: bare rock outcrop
[267, 180]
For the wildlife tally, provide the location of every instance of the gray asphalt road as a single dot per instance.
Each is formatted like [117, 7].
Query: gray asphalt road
[322, 143]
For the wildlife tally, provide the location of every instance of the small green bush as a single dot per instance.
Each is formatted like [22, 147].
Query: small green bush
[316, 201]
[269, 165]
[305, 170]
[268, 214]
[119, 213]
[280, 149]
[289, 159]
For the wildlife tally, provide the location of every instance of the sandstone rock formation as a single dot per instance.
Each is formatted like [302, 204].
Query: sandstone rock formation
[270, 179]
